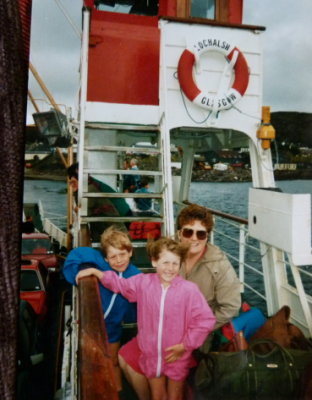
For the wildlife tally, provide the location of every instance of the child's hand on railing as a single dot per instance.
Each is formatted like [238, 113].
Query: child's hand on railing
[89, 272]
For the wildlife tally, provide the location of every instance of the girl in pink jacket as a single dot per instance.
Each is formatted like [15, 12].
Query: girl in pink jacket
[173, 320]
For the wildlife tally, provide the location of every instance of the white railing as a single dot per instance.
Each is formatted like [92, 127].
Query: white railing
[55, 232]
[51, 228]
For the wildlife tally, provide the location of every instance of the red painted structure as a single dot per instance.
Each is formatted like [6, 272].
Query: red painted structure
[34, 286]
[123, 58]
[124, 53]
[38, 246]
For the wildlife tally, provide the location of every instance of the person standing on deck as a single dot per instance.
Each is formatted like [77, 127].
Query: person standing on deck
[207, 266]
[128, 183]
[137, 178]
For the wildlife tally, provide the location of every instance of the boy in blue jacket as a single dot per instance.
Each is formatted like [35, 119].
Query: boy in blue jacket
[115, 256]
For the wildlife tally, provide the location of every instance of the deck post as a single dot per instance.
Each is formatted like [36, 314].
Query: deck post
[96, 370]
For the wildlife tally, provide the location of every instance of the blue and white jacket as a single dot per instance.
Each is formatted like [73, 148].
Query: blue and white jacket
[115, 307]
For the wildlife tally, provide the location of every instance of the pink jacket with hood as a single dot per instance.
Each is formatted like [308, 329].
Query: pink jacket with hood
[166, 316]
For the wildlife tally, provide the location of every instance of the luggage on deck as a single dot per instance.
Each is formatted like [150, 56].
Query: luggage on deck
[251, 375]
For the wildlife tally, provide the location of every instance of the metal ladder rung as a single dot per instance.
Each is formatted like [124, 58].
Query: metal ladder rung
[121, 127]
[122, 172]
[146, 150]
[122, 219]
[136, 244]
[123, 195]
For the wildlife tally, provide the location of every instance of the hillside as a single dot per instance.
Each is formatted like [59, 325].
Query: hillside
[50, 167]
[293, 127]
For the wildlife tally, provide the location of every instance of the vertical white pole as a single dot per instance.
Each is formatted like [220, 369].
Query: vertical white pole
[165, 139]
[242, 247]
[82, 107]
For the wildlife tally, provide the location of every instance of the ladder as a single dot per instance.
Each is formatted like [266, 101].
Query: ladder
[104, 149]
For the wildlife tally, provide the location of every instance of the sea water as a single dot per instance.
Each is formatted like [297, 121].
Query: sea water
[52, 195]
[231, 198]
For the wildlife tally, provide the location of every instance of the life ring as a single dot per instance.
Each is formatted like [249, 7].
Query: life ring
[204, 100]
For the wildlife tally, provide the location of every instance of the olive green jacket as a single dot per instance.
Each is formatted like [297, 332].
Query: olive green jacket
[217, 280]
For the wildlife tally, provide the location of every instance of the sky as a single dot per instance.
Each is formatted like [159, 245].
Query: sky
[287, 44]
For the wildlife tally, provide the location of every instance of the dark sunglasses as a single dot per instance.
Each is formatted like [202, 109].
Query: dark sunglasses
[188, 233]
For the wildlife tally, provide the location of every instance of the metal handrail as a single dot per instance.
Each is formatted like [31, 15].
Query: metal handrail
[230, 217]
[96, 370]
[240, 240]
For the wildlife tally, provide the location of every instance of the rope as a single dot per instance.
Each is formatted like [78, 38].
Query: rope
[175, 75]
[71, 22]
[186, 109]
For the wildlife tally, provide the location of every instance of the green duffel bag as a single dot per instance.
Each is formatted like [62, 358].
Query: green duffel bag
[250, 375]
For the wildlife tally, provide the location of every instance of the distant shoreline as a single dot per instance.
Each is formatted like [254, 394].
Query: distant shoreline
[232, 176]
[244, 175]
[44, 177]
[41, 171]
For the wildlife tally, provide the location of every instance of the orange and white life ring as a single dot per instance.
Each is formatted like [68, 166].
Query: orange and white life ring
[233, 55]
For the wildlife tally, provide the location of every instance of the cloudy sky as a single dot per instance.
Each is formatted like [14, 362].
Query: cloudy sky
[55, 52]
[55, 47]
[287, 51]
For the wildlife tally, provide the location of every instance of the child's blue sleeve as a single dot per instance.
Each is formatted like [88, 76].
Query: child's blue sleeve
[79, 256]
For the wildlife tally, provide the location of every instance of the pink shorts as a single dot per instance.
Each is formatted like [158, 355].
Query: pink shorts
[131, 352]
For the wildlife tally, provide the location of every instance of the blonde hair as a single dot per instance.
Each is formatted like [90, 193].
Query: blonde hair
[115, 238]
[155, 247]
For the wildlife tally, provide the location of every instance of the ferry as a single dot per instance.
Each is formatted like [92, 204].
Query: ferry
[177, 77]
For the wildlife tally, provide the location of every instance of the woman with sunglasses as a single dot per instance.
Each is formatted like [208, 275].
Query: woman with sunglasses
[207, 266]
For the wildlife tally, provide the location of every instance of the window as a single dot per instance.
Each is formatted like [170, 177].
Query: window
[140, 7]
[36, 246]
[29, 281]
[203, 9]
